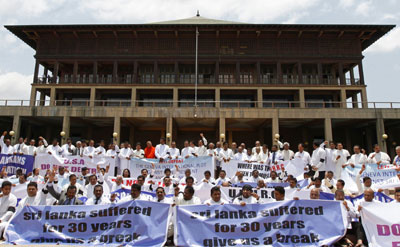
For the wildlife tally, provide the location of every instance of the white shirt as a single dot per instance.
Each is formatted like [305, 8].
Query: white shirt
[19, 148]
[56, 150]
[304, 156]
[181, 201]
[39, 199]
[89, 151]
[124, 156]
[30, 150]
[188, 151]
[226, 154]
[359, 158]
[111, 153]
[202, 151]
[212, 202]
[65, 148]
[241, 156]
[5, 202]
[100, 151]
[318, 159]
[272, 159]
[248, 200]
[138, 153]
[287, 154]
[167, 200]
[129, 198]
[381, 156]
[173, 152]
[102, 201]
[339, 162]
[161, 151]
[4, 148]
[329, 158]
[89, 190]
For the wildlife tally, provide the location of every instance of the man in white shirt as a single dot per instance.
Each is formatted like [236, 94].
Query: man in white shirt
[357, 158]
[19, 147]
[97, 197]
[351, 213]
[68, 148]
[240, 156]
[138, 152]
[8, 205]
[33, 198]
[160, 196]
[215, 197]
[135, 194]
[222, 178]
[168, 186]
[257, 144]
[6, 147]
[161, 150]
[201, 150]
[124, 155]
[274, 178]
[257, 156]
[100, 151]
[286, 153]
[396, 196]
[187, 198]
[112, 152]
[238, 178]
[210, 150]
[329, 157]
[78, 149]
[396, 160]
[378, 157]
[247, 196]
[173, 152]
[187, 151]
[255, 177]
[90, 150]
[226, 153]
[274, 156]
[54, 148]
[340, 157]
[89, 188]
[31, 149]
[303, 155]
[317, 184]
[318, 160]
[42, 148]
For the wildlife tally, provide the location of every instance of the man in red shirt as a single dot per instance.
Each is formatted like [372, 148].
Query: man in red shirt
[149, 151]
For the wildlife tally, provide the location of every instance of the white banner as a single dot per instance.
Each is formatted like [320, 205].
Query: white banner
[381, 222]
[73, 163]
[197, 166]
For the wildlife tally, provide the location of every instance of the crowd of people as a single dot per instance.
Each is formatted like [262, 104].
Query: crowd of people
[322, 170]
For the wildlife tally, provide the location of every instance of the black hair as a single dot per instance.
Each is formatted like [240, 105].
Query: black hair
[34, 184]
[365, 179]
[136, 187]
[6, 183]
[342, 182]
[247, 187]
[71, 187]
[207, 172]
[215, 189]
[190, 189]
[71, 176]
[188, 178]
[280, 189]
[97, 186]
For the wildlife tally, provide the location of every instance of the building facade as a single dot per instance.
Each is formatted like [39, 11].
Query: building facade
[304, 82]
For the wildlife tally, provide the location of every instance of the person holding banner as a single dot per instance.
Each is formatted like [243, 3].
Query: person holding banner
[396, 196]
[238, 178]
[187, 151]
[378, 157]
[161, 150]
[89, 189]
[168, 186]
[240, 155]
[68, 148]
[208, 178]
[396, 160]
[8, 204]
[54, 148]
[160, 196]
[255, 176]
[78, 149]
[303, 155]
[247, 196]
[20, 146]
[286, 153]
[125, 155]
[351, 213]
[149, 151]
[136, 194]
[73, 182]
[173, 152]
[185, 198]
[274, 156]
[226, 153]
[222, 178]
[90, 151]
[258, 156]
[100, 151]
[188, 173]
[42, 148]
[5, 145]
[97, 197]
[138, 152]
[33, 198]
[31, 149]
[314, 194]
[215, 197]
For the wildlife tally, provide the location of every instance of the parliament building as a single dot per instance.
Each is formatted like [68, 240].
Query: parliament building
[303, 82]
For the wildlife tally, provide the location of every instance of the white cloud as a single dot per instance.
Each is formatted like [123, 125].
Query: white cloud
[364, 8]
[346, 3]
[388, 43]
[15, 85]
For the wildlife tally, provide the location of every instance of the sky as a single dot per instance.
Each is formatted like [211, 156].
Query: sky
[381, 63]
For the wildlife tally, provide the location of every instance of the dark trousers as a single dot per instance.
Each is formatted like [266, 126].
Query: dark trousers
[321, 175]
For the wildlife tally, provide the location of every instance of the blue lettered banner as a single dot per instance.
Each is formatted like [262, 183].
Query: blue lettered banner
[382, 176]
[287, 223]
[134, 223]
[14, 162]
[197, 165]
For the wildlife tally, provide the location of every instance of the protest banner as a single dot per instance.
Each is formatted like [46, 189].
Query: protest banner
[266, 194]
[287, 223]
[197, 165]
[72, 163]
[381, 176]
[381, 222]
[14, 162]
[134, 223]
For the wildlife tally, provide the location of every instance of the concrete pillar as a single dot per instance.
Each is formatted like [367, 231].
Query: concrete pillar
[341, 74]
[53, 96]
[36, 72]
[361, 73]
[343, 98]
[279, 72]
[115, 72]
[230, 137]
[259, 98]
[216, 72]
[319, 69]
[32, 101]
[221, 129]
[131, 137]
[217, 97]
[302, 98]
[133, 97]
[300, 72]
[117, 128]
[55, 72]
[258, 71]
[380, 130]
[354, 100]
[42, 98]
[156, 72]
[92, 96]
[237, 77]
[364, 99]
[66, 128]
[169, 130]
[75, 72]
[328, 129]
[175, 97]
[16, 127]
[275, 127]
[95, 71]
[353, 82]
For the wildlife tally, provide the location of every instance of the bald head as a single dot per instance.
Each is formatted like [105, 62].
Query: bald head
[314, 194]
[368, 195]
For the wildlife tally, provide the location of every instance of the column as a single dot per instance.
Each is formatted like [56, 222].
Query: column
[133, 97]
[300, 72]
[221, 129]
[94, 71]
[176, 72]
[42, 98]
[364, 99]
[237, 77]
[55, 72]
[353, 82]
[217, 97]
[66, 128]
[341, 74]
[361, 73]
[259, 98]
[216, 72]
[36, 72]
[156, 72]
[131, 137]
[169, 129]
[380, 130]
[117, 128]
[319, 69]
[92, 96]
[16, 127]
[175, 97]
[258, 71]
[275, 126]
[75, 72]
[279, 72]
[354, 100]
[302, 98]
[343, 98]
[328, 129]
[115, 72]
[135, 72]
[52, 96]
[230, 137]
[32, 101]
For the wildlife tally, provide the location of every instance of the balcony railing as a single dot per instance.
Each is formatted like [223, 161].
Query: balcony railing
[202, 103]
